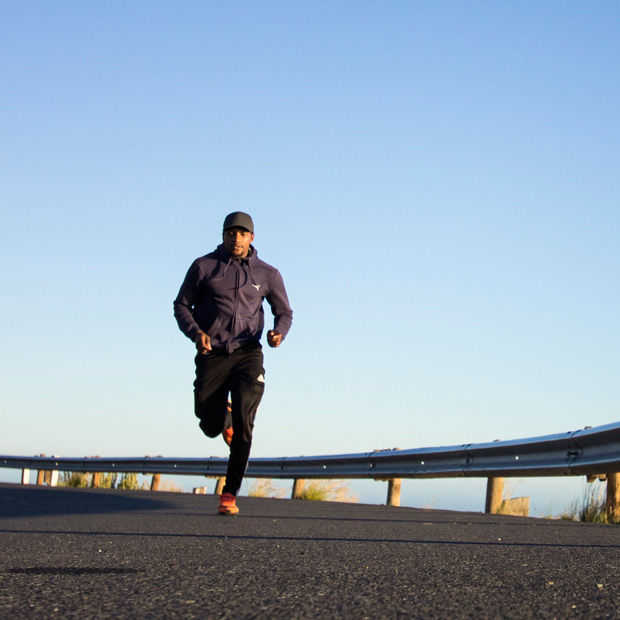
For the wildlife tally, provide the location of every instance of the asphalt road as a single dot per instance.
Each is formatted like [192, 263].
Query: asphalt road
[114, 554]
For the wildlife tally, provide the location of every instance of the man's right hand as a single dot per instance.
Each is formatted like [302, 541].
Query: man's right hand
[203, 343]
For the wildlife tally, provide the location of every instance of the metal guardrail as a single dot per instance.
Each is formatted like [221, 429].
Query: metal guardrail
[587, 451]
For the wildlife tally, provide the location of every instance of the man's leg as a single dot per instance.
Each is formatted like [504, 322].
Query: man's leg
[247, 384]
[211, 392]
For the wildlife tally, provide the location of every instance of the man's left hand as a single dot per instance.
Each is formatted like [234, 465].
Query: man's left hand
[274, 338]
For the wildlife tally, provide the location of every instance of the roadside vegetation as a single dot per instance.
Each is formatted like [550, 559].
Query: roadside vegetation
[316, 490]
[264, 487]
[327, 491]
[590, 507]
[125, 482]
[79, 480]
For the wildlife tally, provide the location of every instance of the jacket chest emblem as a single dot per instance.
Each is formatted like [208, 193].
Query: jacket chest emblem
[256, 286]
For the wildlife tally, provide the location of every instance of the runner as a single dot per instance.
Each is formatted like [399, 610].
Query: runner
[220, 308]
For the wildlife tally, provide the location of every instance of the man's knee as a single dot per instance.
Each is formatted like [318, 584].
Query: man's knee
[254, 390]
[211, 412]
[210, 429]
[252, 387]
[212, 418]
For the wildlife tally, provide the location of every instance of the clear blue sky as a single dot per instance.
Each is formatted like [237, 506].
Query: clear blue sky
[436, 181]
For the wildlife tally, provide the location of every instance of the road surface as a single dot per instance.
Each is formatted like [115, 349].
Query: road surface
[78, 553]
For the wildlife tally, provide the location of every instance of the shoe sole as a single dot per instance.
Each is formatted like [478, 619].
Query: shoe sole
[228, 513]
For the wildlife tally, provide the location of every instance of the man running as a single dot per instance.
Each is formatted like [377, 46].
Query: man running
[220, 308]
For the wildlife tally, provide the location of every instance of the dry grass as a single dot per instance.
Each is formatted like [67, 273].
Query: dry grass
[327, 491]
[166, 485]
[79, 480]
[125, 482]
[590, 508]
[264, 487]
[316, 490]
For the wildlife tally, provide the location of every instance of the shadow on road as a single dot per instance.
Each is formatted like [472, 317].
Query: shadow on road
[21, 501]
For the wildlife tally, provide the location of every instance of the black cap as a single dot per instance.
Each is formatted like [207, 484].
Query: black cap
[239, 219]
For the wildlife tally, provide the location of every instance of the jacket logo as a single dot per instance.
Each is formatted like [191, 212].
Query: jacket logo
[256, 286]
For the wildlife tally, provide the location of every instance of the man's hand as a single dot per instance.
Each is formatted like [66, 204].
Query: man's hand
[274, 338]
[203, 343]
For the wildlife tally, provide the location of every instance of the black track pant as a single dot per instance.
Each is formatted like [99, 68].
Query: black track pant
[240, 374]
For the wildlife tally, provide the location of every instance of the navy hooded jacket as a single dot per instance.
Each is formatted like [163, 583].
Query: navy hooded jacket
[223, 297]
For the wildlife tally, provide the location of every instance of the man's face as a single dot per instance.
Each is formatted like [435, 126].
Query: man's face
[237, 241]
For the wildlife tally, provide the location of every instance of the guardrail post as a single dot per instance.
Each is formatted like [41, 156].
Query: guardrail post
[25, 476]
[155, 482]
[393, 494]
[219, 485]
[298, 487]
[495, 492]
[95, 481]
[41, 476]
[612, 503]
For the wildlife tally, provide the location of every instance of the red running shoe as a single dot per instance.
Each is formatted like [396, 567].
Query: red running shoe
[227, 434]
[228, 504]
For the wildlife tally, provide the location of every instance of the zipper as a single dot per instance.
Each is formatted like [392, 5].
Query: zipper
[236, 304]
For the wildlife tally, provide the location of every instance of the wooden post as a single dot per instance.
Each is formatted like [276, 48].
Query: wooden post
[612, 503]
[298, 488]
[393, 494]
[95, 481]
[41, 476]
[495, 492]
[25, 476]
[219, 485]
[155, 482]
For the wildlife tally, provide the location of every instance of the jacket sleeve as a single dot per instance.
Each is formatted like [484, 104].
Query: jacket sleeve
[184, 303]
[280, 307]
